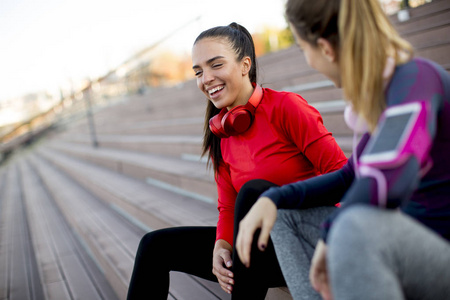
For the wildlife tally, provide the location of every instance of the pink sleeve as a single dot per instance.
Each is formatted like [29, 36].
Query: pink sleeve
[227, 198]
[304, 125]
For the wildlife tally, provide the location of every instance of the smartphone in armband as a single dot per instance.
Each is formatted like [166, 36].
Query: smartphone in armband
[401, 132]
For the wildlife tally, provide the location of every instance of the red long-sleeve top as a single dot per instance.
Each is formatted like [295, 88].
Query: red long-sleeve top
[287, 142]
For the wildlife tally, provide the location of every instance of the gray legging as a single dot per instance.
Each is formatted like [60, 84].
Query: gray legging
[295, 235]
[385, 254]
[372, 254]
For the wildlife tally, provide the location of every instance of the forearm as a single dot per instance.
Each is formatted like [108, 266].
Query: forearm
[225, 227]
[323, 190]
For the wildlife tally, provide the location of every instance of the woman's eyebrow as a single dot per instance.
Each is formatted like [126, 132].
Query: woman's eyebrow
[209, 61]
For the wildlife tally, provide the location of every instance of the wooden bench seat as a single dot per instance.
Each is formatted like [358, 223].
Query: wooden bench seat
[66, 268]
[107, 230]
[19, 274]
[189, 175]
[153, 207]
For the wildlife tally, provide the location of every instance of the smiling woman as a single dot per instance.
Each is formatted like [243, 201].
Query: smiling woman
[215, 76]
[283, 141]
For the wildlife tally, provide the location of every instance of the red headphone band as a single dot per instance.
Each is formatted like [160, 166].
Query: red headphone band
[256, 96]
[238, 119]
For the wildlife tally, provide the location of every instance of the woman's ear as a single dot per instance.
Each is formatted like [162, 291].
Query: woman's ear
[327, 49]
[246, 65]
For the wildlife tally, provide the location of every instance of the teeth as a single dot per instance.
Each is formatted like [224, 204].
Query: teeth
[215, 90]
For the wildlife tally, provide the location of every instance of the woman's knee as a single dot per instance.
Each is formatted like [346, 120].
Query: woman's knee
[355, 227]
[282, 224]
[249, 193]
[255, 187]
[302, 221]
[284, 220]
[153, 242]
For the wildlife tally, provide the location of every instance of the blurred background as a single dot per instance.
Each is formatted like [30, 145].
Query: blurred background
[101, 126]
[52, 50]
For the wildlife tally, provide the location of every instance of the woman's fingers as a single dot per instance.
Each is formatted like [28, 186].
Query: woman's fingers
[314, 271]
[221, 262]
[318, 274]
[225, 282]
[263, 239]
[244, 241]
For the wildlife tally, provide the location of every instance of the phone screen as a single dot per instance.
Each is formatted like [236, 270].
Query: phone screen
[390, 133]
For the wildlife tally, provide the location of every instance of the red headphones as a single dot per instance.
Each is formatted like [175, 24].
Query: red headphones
[238, 119]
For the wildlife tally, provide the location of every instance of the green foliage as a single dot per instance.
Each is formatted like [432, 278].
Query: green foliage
[271, 40]
[286, 39]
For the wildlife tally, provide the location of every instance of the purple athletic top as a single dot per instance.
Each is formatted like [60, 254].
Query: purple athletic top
[426, 198]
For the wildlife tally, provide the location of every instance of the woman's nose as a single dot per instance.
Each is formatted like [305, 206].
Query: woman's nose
[207, 77]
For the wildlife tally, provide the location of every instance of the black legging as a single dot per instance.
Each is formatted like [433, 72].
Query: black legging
[190, 249]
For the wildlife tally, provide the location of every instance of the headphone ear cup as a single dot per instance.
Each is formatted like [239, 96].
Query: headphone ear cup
[237, 120]
[215, 125]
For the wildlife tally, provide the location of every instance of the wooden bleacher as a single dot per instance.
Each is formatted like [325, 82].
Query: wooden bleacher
[71, 215]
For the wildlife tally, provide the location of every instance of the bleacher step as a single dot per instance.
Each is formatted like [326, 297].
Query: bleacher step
[190, 175]
[66, 267]
[152, 206]
[111, 238]
[19, 274]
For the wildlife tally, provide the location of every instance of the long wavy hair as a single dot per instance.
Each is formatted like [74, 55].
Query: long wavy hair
[362, 37]
[241, 42]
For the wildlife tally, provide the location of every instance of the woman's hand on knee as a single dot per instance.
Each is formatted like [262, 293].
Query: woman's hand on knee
[318, 274]
[222, 263]
[262, 215]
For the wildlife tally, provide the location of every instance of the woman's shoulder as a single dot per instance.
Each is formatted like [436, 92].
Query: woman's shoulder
[288, 108]
[433, 70]
[417, 79]
[421, 66]
[283, 98]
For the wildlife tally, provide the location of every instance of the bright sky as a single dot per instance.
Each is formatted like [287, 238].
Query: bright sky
[44, 44]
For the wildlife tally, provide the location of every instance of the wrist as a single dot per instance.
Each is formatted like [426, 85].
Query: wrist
[222, 244]
[273, 194]
[267, 202]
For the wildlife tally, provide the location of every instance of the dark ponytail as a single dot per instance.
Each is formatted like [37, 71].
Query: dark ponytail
[241, 42]
[245, 47]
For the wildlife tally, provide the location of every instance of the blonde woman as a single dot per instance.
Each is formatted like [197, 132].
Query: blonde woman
[390, 237]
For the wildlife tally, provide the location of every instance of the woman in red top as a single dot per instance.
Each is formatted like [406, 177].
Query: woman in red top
[256, 138]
